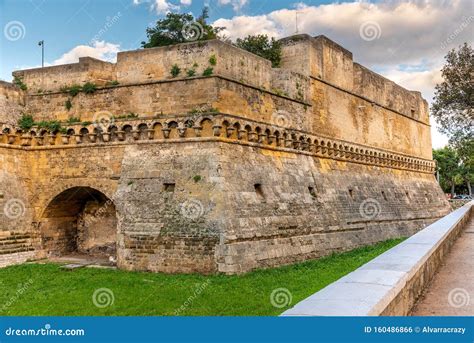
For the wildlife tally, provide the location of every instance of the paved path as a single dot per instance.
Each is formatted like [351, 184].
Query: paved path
[451, 292]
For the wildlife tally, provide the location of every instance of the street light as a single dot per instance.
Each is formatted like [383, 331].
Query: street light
[41, 43]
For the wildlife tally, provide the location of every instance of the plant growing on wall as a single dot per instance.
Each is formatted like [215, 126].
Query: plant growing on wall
[213, 60]
[191, 72]
[89, 87]
[175, 70]
[73, 120]
[26, 122]
[72, 90]
[53, 126]
[208, 71]
[68, 104]
[19, 83]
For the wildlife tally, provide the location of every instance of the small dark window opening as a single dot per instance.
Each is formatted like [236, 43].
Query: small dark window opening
[351, 193]
[412, 112]
[384, 196]
[407, 195]
[312, 192]
[168, 187]
[259, 190]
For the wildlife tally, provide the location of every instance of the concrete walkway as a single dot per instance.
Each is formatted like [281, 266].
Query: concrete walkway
[451, 292]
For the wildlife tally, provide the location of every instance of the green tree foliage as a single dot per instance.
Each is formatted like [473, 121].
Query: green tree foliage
[453, 106]
[262, 46]
[180, 28]
[449, 167]
[453, 110]
[464, 147]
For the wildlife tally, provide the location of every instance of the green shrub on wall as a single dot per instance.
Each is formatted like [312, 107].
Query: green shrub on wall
[26, 122]
[18, 81]
[89, 88]
[175, 70]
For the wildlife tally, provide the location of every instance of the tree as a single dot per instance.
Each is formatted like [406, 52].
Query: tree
[262, 46]
[180, 28]
[453, 106]
[449, 167]
[464, 147]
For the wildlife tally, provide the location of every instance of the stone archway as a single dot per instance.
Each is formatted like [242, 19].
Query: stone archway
[79, 220]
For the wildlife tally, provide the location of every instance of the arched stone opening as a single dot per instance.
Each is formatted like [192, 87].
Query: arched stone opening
[80, 221]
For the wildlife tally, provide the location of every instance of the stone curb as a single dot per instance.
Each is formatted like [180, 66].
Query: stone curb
[391, 283]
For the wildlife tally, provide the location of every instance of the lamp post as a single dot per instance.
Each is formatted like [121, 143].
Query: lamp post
[41, 43]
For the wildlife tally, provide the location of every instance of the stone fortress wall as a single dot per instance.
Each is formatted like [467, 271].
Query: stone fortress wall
[248, 167]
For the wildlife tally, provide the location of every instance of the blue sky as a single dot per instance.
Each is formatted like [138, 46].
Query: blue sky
[65, 24]
[404, 40]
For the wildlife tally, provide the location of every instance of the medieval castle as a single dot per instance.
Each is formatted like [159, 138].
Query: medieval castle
[201, 157]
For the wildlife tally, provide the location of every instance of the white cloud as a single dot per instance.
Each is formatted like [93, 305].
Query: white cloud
[242, 26]
[186, 2]
[162, 6]
[409, 31]
[100, 49]
[236, 4]
[423, 81]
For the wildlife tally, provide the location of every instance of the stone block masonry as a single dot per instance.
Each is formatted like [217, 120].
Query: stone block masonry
[245, 167]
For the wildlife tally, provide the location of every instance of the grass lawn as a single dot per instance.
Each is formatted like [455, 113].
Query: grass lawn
[45, 289]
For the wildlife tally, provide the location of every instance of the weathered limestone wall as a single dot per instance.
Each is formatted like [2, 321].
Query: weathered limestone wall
[18, 242]
[249, 167]
[11, 103]
[325, 60]
[353, 103]
[52, 79]
[193, 206]
[338, 114]
[155, 64]
[312, 207]
[97, 229]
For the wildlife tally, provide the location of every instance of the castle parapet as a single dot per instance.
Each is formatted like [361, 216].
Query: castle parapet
[326, 61]
[55, 78]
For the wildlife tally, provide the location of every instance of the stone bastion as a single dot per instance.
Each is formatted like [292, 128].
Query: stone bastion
[201, 157]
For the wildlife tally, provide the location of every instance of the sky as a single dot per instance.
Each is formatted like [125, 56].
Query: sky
[405, 41]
